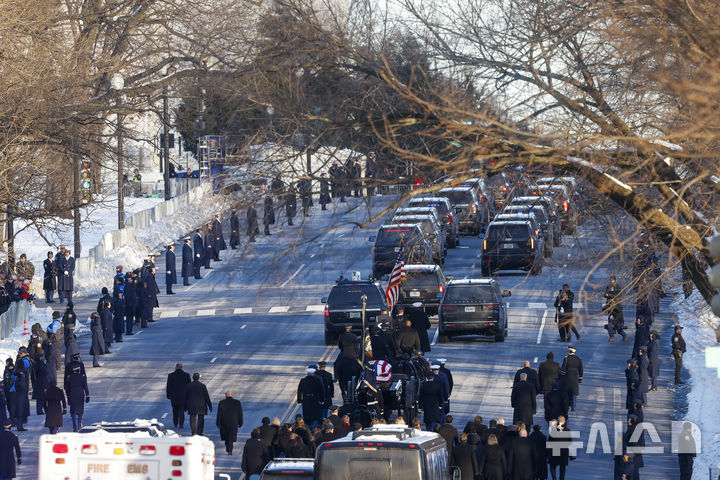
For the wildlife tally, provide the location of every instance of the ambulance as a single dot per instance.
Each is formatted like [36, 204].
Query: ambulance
[137, 450]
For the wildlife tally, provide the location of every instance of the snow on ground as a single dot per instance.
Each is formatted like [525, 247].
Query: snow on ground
[699, 326]
[9, 346]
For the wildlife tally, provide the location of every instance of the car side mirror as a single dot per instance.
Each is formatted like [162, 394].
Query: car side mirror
[506, 293]
[372, 238]
[323, 300]
[455, 473]
[450, 277]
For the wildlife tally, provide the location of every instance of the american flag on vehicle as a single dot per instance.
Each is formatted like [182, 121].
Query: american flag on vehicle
[397, 276]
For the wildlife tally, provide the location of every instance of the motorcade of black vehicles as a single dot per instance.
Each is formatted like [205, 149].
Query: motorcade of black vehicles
[471, 218]
[344, 306]
[425, 284]
[483, 193]
[564, 205]
[447, 216]
[512, 245]
[430, 229]
[551, 210]
[539, 213]
[395, 452]
[473, 307]
[289, 469]
[534, 220]
[388, 239]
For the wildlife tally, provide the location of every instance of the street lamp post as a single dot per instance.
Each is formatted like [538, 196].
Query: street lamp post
[166, 146]
[117, 82]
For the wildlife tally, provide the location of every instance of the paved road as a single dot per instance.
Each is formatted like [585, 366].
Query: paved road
[254, 322]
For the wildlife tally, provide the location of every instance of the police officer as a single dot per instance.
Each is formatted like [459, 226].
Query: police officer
[678, 350]
[445, 371]
[209, 242]
[686, 451]
[187, 261]
[310, 395]
[170, 270]
[328, 386]
[445, 385]
[76, 390]
[573, 365]
[565, 319]
[199, 248]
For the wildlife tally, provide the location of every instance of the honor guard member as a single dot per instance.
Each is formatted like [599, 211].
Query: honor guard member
[199, 250]
[383, 344]
[170, 269]
[234, 230]
[252, 224]
[348, 343]
[445, 386]
[328, 385]
[76, 390]
[678, 350]
[444, 370]
[187, 261]
[573, 365]
[209, 241]
[218, 237]
[310, 395]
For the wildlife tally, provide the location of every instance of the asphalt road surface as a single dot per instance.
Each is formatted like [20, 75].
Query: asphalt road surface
[255, 322]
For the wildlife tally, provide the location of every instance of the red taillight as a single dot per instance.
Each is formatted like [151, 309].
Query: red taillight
[177, 450]
[441, 289]
[60, 448]
[147, 450]
[177, 473]
[480, 198]
[450, 218]
[566, 205]
[492, 305]
[327, 311]
[89, 449]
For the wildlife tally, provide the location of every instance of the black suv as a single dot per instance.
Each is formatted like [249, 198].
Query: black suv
[444, 208]
[387, 245]
[473, 307]
[424, 283]
[539, 215]
[472, 217]
[511, 245]
[343, 306]
[549, 205]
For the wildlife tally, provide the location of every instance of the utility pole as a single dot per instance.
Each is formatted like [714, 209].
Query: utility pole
[76, 205]
[120, 178]
[166, 146]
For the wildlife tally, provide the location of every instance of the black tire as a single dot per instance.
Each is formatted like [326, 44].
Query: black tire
[485, 271]
[330, 338]
[500, 336]
[457, 240]
[451, 241]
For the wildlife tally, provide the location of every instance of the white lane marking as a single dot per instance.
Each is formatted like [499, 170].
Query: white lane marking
[228, 343]
[542, 326]
[243, 326]
[315, 308]
[560, 276]
[312, 255]
[279, 309]
[170, 314]
[164, 415]
[341, 235]
[242, 310]
[292, 276]
[435, 337]
[535, 360]
[205, 313]
[539, 306]
[213, 360]
[462, 246]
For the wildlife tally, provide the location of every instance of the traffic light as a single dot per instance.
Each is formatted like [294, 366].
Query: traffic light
[171, 140]
[85, 178]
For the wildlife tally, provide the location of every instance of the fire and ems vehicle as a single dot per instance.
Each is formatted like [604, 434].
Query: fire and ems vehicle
[141, 450]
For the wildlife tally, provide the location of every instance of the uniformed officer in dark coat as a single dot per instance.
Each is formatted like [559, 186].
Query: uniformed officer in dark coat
[643, 373]
[177, 382]
[653, 347]
[76, 389]
[532, 376]
[564, 311]
[218, 237]
[131, 301]
[170, 269]
[310, 395]
[229, 419]
[49, 277]
[234, 230]
[252, 224]
[678, 350]
[348, 343]
[199, 250]
[421, 323]
[66, 270]
[187, 262]
[304, 187]
[290, 200]
[209, 242]
[548, 372]
[345, 369]
[328, 386]
[268, 214]
[383, 344]
[148, 298]
[8, 443]
[55, 407]
[336, 179]
[632, 380]
[324, 191]
[687, 450]
[431, 402]
[448, 374]
[197, 403]
[97, 346]
[106, 319]
[118, 309]
[642, 334]
[572, 364]
[523, 401]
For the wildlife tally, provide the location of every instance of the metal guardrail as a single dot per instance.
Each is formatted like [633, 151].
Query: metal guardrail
[395, 189]
[14, 317]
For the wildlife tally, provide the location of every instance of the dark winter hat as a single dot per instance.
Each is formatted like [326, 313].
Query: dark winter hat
[22, 350]
[678, 327]
[104, 291]
[322, 364]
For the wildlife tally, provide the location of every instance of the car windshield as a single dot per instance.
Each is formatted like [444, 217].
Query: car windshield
[516, 232]
[420, 279]
[426, 225]
[441, 206]
[349, 295]
[392, 236]
[469, 294]
[457, 196]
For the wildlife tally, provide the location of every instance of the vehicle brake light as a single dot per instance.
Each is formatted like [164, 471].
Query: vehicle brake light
[473, 208]
[441, 289]
[492, 305]
[532, 243]
[89, 449]
[566, 205]
[147, 450]
[177, 450]
[327, 311]
[177, 473]
[449, 218]
[480, 198]
[383, 312]
[484, 244]
[504, 188]
[60, 448]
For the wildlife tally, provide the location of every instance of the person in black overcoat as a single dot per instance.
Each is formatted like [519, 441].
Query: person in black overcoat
[653, 347]
[55, 407]
[50, 359]
[311, 395]
[420, 322]
[105, 297]
[175, 387]
[76, 389]
[8, 443]
[254, 455]
[493, 464]
[290, 200]
[632, 381]
[464, 458]
[130, 293]
[643, 367]
[558, 457]
[234, 230]
[229, 419]
[345, 369]
[118, 310]
[49, 277]
[556, 403]
[268, 214]
[539, 441]
[573, 365]
[252, 224]
[197, 404]
[199, 251]
[449, 433]
[21, 410]
[532, 376]
[39, 379]
[324, 191]
[521, 458]
[209, 242]
[170, 269]
[642, 335]
[523, 401]
[548, 372]
[8, 386]
[97, 346]
[187, 262]
[66, 270]
[431, 402]
[304, 187]
[218, 236]
[71, 348]
[106, 320]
